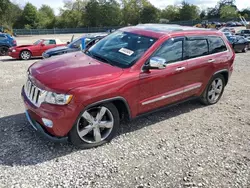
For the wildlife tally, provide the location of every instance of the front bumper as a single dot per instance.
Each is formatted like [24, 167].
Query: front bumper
[14, 55]
[63, 118]
[41, 130]
[45, 56]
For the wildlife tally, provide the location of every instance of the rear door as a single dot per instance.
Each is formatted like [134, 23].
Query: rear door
[204, 54]
[198, 64]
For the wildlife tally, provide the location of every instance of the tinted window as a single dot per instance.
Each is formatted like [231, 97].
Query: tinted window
[171, 51]
[49, 42]
[2, 37]
[196, 48]
[216, 45]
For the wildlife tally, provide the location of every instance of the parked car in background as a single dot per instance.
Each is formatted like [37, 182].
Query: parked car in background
[75, 45]
[240, 44]
[6, 42]
[81, 97]
[230, 37]
[26, 52]
[228, 29]
[244, 32]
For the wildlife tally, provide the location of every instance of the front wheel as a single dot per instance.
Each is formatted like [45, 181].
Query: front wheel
[214, 90]
[95, 126]
[25, 55]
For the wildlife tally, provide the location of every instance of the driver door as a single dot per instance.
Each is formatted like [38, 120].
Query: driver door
[162, 87]
[47, 44]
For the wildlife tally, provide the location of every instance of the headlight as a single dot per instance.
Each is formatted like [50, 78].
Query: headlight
[59, 99]
[13, 50]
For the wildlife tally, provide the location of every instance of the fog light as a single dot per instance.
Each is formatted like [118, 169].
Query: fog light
[47, 122]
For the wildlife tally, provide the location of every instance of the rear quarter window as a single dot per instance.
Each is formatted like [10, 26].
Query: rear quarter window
[216, 45]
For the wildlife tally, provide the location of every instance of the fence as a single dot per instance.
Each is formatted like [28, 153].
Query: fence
[95, 29]
[63, 31]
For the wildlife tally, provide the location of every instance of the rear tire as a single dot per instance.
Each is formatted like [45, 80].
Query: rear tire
[4, 50]
[245, 49]
[25, 55]
[214, 90]
[95, 126]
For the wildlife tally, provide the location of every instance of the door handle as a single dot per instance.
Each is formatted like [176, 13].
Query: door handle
[180, 69]
[211, 60]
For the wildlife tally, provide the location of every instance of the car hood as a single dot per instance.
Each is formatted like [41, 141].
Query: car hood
[23, 46]
[57, 49]
[68, 71]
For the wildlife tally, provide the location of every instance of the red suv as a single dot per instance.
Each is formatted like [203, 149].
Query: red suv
[82, 97]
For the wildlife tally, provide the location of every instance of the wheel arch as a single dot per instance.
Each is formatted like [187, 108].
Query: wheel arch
[120, 103]
[25, 50]
[224, 73]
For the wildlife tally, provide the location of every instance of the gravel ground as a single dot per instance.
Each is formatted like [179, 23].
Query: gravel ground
[185, 146]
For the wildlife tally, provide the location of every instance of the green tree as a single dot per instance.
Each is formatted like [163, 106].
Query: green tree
[93, 13]
[5, 6]
[188, 11]
[110, 13]
[149, 14]
[228, 12]
[171, 13]
[29, 16]
[46, 17]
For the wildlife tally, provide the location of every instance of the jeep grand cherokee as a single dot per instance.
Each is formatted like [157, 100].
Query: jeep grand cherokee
[81, 97]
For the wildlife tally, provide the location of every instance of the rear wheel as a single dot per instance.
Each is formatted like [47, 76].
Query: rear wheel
[95, 126]
[214, 90]
[4, 50]
[245, 49]
[25, 55]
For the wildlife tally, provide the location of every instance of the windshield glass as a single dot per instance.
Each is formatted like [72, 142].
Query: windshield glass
[37, 42]
[122, 49]
[77, 43]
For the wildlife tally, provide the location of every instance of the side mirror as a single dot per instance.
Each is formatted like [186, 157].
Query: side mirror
[42, 44]
[157, 63]
[68, 42]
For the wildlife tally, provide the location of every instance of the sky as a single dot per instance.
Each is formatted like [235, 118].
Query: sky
[56, 4]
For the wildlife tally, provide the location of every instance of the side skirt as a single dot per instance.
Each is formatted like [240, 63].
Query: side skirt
[165, 107]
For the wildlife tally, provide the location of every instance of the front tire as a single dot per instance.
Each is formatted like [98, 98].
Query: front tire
[25, 55]
[95, 126]
[214, 90]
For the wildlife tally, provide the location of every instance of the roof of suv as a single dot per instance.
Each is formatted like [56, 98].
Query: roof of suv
[159, 30]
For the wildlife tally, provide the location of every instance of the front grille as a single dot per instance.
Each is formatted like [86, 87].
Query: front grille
[33, 93]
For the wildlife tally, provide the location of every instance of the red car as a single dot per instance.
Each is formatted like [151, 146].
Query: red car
[82, 96]
[25, 52]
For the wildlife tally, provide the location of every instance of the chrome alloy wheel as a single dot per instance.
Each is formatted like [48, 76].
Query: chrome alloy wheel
[215, 90]
[25, 55]
[95, 124]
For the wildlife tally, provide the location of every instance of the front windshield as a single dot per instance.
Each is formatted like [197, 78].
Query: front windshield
[77, 43]
[122, 49]
[37, 42]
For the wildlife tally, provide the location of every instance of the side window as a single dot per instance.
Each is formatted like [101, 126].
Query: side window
[216, 45]
[49, 42]
[2, 37]
[52, 42]
[196, 48]
[171, 50]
